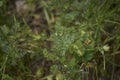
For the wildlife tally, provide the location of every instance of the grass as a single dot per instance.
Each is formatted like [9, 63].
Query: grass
[64, 40]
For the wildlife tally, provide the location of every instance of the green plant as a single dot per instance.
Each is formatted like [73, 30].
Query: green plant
[81, 32]
[85, 41]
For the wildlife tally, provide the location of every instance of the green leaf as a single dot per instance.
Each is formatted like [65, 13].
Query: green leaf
[1, 3]
[7, 77]
[54, 68]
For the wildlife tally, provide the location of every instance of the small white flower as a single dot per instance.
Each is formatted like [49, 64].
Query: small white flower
[65, 65]
[106, 48]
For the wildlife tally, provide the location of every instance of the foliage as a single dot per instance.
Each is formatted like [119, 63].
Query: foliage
[85, 37]
[83, 30]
